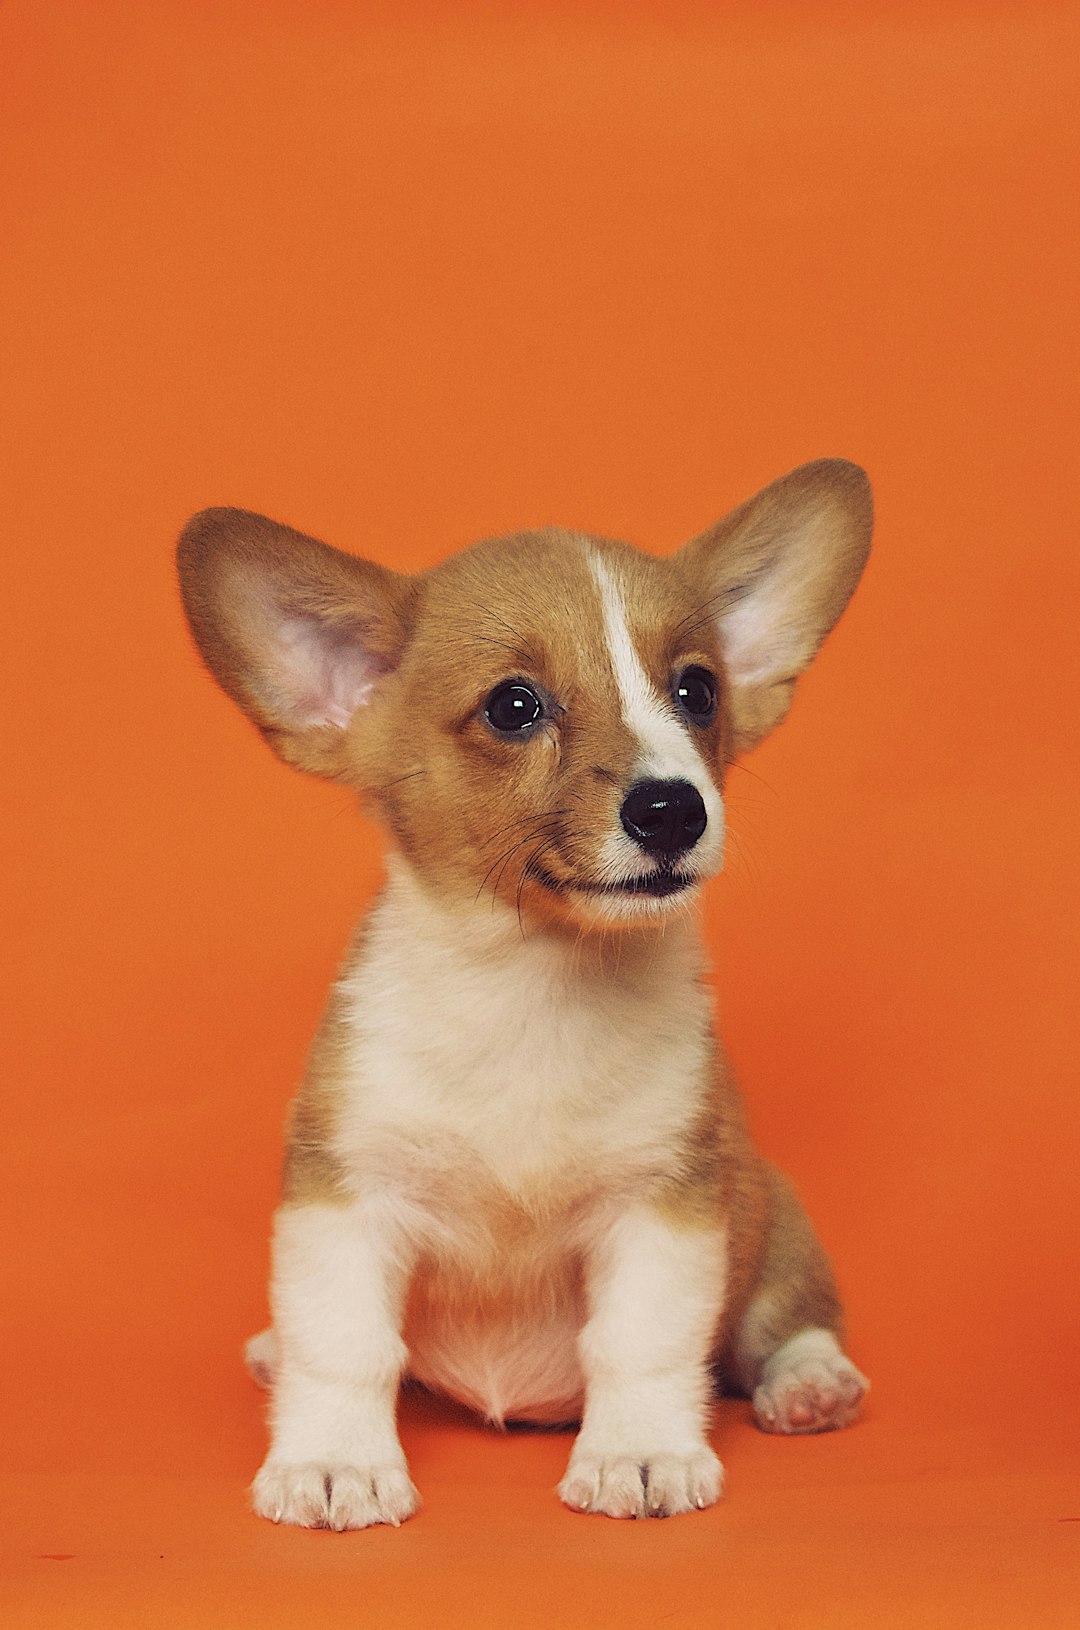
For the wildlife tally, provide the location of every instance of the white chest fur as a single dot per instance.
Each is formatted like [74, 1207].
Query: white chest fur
[553, 1068]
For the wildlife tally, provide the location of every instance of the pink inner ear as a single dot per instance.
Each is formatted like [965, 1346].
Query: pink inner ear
[770, 632]
[323, 671]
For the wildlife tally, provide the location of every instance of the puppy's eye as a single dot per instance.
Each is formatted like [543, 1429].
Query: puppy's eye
[513, 707]
[695, 693]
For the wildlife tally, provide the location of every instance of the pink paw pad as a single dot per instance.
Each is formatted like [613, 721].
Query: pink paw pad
[808, 1385]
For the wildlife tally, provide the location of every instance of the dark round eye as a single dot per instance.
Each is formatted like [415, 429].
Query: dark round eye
[512, 707]
[695, 692]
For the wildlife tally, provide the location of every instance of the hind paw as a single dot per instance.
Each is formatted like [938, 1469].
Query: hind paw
[808, 1385]
[261, 1357]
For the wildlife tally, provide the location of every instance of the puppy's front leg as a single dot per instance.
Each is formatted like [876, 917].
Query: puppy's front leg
[338, 1286]
[655, 1292]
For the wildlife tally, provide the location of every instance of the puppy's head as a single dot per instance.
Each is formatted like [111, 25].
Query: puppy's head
[546, 719]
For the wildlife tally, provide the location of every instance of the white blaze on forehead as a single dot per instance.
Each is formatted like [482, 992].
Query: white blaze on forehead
[666, 751]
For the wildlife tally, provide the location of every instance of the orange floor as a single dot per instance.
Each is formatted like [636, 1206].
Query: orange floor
[406, 277]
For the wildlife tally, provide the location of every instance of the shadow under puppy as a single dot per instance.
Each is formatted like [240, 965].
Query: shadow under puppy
[518, 1168]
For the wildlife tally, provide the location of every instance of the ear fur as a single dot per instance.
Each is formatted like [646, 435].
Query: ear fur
[297, 633]
[779, 570]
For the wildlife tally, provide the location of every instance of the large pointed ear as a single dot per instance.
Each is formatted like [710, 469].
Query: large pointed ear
[298, 634]
[776, 574]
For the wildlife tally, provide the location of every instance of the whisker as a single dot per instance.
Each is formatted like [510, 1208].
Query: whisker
[508, 855]
[343, 806]
[521, 645]
[496, 886]
[541, 849]
[549, 815]
[695, 615]
[747, 861]
[410, 776]
[702, 622]
[517, 843]
[514, 651]
[737, 764]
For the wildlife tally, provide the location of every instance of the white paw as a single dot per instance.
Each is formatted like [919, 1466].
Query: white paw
[660, 1485]
[809, 1385]
[338, 1497]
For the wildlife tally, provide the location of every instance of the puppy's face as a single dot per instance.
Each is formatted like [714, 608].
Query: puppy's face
[543, 720]
[556, 733]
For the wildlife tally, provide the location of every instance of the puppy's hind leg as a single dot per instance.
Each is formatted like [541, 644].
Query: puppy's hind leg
[786, 1354]
[261, 1357]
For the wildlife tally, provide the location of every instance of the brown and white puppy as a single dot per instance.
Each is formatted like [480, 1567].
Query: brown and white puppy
[517, 1169]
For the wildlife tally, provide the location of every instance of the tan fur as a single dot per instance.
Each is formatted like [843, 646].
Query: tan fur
[518, 1163]
[312, 1169]
[791, 1289]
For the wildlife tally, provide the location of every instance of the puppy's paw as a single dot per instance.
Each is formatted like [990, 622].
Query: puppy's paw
[261, 1357]
[659, 1485]
[809, 1385]
[338, 1497]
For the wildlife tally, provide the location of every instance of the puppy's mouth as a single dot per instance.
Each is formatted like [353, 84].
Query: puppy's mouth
[654, 885]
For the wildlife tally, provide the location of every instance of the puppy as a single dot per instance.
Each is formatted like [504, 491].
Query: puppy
[517, 1169]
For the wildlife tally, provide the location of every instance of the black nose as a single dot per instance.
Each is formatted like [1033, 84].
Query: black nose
[665, 818]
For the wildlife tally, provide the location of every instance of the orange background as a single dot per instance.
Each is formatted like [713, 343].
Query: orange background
[404, 278]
